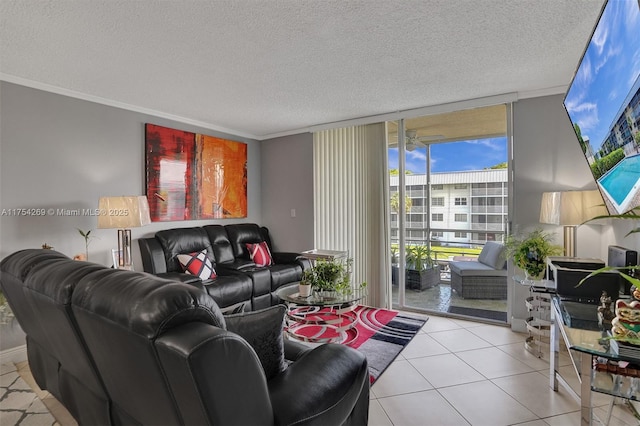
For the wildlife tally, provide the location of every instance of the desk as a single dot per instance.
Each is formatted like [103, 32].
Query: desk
[589, 345]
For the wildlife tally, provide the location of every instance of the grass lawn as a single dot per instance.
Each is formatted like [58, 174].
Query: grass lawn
[443, 253]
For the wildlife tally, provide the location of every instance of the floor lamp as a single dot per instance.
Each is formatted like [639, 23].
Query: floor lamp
[571, 209]
[123, 213]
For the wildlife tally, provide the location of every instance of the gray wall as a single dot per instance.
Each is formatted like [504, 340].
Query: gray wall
[61, 152]
[547, 157]
[287, 183]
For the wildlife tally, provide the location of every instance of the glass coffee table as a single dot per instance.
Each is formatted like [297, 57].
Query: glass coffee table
[322, 317]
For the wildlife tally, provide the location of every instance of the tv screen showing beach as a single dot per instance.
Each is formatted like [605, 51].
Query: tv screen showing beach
[603, 103]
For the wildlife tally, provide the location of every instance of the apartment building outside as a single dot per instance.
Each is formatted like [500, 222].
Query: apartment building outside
[465, 209]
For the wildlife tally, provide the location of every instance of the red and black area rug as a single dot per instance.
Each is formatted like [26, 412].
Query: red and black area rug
[380, 334]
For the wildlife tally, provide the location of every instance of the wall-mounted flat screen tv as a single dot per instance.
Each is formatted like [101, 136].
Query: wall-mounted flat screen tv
[603, 103]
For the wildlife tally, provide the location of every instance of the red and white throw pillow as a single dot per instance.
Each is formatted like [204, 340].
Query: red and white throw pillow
[197, 264]
[260, 254]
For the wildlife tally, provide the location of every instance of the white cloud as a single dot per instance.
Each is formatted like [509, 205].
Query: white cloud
[611, 52]
[584, 74]
[493, 144]
[600, 38]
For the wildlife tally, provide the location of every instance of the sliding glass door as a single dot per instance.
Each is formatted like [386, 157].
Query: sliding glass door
[448, 197]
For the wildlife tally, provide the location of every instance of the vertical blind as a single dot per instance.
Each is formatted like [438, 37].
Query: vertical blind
[350, 202]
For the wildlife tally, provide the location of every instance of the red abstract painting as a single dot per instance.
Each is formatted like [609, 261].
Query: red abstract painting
[194, 176]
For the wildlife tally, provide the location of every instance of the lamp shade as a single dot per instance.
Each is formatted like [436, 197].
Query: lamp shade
[123, 212]
[571, 208]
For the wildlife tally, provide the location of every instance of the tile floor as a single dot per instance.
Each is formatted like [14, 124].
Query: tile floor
[19, 404]
[453, 372]
[457, 372]
[440, 298]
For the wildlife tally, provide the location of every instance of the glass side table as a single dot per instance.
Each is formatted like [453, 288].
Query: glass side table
[539, 320]
[322, 317]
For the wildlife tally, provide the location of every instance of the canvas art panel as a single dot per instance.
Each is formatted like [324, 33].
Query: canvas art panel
[193, 176]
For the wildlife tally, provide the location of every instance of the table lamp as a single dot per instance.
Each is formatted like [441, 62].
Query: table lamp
[123, 213]
[570, 209]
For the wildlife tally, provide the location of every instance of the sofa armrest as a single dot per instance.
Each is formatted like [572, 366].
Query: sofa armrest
[235, 266]
[212, 374]
[285, 257]
[294, 350]
[152, 254]
[321, 388]
[290, 257]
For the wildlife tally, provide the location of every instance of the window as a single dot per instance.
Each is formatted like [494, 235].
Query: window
[437, 217]
[437, 201]
[417, 202]
[460, 235]
[460, 217]
[437, 234]
[461, 201]
[414, 217]
[437, 187]
[460, 186]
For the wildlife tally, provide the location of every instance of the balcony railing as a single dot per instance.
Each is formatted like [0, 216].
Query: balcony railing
[487, 226]
[488, 191]
[488, 209]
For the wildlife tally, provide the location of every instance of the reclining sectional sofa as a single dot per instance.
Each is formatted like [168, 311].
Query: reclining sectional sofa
[120, 347]
[239, 281]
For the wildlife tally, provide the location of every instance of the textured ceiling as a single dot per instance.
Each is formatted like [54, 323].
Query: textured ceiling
[264, 68]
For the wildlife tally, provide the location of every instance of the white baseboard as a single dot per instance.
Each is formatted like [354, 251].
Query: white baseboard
[518, 325]
[13, 355]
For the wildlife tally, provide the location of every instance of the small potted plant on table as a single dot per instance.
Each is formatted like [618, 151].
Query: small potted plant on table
[330, 277]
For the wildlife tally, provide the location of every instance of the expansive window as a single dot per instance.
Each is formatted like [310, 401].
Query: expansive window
[453, 169]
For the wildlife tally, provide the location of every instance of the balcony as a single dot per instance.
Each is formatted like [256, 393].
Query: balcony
[489, 209]
[487, 226]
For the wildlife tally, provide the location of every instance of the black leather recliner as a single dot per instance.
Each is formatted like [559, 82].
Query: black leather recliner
[138, 349]
[38, 285]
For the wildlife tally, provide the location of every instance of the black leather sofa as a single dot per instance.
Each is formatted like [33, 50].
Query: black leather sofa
[124, 347]
[238, 279]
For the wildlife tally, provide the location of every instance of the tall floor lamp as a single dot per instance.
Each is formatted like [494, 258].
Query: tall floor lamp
[123, 213]
[570, 209]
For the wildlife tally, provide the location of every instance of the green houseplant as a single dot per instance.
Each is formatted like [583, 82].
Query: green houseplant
[530, 251]
[330, 275]
[422, 271]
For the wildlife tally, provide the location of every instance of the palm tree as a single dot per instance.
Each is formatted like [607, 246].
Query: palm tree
[395, 202]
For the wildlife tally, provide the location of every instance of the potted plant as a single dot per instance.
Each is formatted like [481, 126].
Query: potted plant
[422, 271]
[304, 287]
[530, 252]
[394, 265]
[328, 276]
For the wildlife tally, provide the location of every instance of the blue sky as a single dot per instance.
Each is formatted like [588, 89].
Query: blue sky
[609, 69]
[454, 156]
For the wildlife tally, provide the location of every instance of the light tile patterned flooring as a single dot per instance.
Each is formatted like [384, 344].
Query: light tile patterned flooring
[453, 372]
[457, 372]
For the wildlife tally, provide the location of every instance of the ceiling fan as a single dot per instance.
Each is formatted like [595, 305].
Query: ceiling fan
[414, 141]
